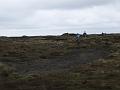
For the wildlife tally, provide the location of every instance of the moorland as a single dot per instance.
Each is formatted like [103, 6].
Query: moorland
[64, 62]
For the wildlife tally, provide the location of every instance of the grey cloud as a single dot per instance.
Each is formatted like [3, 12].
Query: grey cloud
[69, 4]
[27, 15]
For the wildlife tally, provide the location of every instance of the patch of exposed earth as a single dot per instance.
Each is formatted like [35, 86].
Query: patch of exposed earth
[56, 64]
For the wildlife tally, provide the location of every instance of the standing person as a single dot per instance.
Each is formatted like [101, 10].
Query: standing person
[84, 34]
[77, 38]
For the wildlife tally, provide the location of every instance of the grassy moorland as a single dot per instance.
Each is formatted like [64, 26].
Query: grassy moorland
[60, 63]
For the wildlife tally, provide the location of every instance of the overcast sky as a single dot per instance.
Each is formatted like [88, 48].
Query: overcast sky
[43, 17]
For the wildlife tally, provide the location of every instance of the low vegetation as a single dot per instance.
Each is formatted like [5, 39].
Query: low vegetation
[60, 63]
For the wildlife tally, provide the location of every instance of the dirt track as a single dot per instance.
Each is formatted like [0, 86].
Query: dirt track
[60, 63]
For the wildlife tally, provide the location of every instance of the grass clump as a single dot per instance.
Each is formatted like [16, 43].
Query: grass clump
[5, 71]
